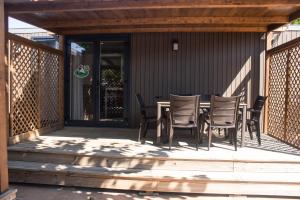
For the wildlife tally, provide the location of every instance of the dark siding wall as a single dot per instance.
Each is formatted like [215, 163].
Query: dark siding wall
[223, 63]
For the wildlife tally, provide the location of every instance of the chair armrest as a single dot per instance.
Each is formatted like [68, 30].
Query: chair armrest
[253, 111]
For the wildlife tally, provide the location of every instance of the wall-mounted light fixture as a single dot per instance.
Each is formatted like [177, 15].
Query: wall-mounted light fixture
[175, 45]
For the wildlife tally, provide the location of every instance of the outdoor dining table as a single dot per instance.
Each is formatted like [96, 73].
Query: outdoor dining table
[203, 104]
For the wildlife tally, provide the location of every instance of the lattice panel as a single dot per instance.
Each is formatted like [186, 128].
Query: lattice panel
[35, 87]
[277, 94]
[49, 76]
[24, 88]
[284, 95]
[293, 107]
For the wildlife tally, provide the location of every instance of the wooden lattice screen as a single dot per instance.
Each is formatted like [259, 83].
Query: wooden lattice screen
[284, 93]
[36, 86]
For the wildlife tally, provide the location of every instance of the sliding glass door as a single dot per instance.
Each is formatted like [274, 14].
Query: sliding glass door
[97, 82]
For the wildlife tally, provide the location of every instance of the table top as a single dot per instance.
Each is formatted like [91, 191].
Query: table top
[164, 103]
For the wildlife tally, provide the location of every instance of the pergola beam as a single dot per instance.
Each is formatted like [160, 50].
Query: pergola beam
[167, 21]
[294, 15]
[291, 17]
[163, 29]
[27, 6]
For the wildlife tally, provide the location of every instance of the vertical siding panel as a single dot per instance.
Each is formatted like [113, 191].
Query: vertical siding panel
[224, 64]
[201, 63]
[210, 62]
[182, 62]
[157, 63]
[220, 66]
[242, 67]
[252, 43]
[169, 72]
[195, 42]
[189, 58]
[204, 63]
[232, 64]
[177, 64]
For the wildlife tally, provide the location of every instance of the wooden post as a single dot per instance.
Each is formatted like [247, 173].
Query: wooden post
[268, 40]
[61, 79]
[3, 104]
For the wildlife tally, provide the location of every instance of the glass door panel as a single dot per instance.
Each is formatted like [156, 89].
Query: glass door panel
[81, 81]
[111, 90]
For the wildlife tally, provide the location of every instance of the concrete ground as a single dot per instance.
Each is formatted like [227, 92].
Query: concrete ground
[42, 192]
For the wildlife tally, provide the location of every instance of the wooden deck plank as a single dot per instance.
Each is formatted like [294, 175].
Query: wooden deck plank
[113, 159]
[157, 180]
[120, 143]
[162, 175]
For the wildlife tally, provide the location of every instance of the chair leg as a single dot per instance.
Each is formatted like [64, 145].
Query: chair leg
[235, 138]
[171, 137]
[198, 137]
[201, 131]
[209, 137]
[226, 133]
[230, 135]
[257, 127]
[250, 131]
[146, 125]
[140, 131]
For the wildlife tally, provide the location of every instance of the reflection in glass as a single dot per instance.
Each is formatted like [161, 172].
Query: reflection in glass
[81, 78]
[112, 57]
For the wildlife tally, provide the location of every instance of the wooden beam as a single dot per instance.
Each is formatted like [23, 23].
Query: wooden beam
[273, 27]
[3, 103]
[294, 15]
[165, 29]
[166, 21]
[291, 17]
[88, 5]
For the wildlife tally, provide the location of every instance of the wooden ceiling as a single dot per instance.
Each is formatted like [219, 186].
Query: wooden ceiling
[124, 16]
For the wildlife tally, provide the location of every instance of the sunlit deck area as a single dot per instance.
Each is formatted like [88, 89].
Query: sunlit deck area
[112, 158]
[123, 142]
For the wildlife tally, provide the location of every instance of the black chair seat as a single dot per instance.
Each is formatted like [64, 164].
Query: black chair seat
[189, 125]
[255, 114]
[221, 124]
[184, 114]
[223, 113]
[146, 119]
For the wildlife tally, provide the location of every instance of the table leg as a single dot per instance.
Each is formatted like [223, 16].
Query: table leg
[243, 126]
[158, 124]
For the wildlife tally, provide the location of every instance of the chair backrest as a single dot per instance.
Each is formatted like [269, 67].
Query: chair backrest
[184, 109]
[207, 97]
[257, 107]
[141, 104]
[224, 111]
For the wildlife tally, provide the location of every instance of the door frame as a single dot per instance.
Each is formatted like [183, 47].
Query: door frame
[96, 61]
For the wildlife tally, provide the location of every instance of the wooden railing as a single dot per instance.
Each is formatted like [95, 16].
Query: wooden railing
[284, 93]
[36, 86]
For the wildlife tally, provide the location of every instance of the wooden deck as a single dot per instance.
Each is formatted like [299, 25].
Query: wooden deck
[112, 158]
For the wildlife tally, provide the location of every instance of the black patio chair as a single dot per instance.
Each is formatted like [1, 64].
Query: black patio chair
[223, 114]
[254, 120]
[184, 115]
[146, 117]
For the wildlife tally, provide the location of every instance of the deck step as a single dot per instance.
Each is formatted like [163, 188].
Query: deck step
[154, 163]
[187, 181]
